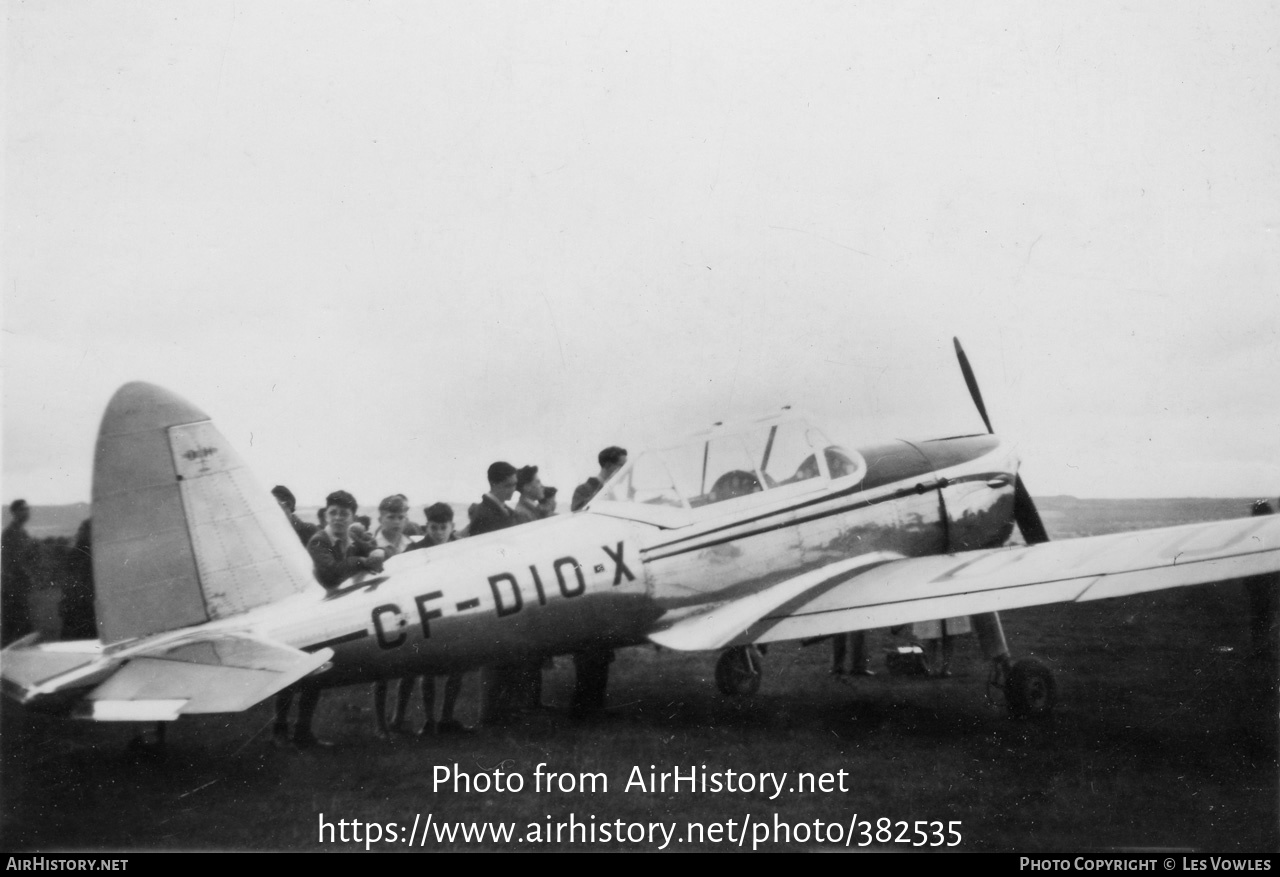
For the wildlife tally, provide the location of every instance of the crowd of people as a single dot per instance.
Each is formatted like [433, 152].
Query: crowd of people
[23, 562]
[344, 545]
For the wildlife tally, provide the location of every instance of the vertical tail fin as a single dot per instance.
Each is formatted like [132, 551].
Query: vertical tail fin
[182, 532]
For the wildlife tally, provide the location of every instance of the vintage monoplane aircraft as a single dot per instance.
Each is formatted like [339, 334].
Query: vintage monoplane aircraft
[743, 535]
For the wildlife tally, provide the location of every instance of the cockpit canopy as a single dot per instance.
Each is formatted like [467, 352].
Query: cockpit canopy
[776, 456]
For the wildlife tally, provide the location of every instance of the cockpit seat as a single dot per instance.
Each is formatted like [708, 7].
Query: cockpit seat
[734, 483]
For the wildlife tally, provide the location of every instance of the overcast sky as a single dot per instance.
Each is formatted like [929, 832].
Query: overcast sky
[384, 244]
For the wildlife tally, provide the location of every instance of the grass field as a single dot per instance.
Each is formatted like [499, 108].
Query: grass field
[1165, 737]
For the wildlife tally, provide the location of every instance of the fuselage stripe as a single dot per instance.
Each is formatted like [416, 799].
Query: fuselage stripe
[866, 503]
[337, 641]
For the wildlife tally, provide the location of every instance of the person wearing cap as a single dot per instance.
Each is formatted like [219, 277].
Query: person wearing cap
[18, 557]
[492, 512]
[393, 513]
[529, 508]
[412, 529]
[336, 557]
[548, 503]
[288, 503]
[439, 532]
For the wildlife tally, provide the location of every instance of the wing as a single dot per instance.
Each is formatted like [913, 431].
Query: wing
[212, 674]
[884, 591]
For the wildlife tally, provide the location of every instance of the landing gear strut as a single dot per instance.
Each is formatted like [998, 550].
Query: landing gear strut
[1029, 689]
[738, 671]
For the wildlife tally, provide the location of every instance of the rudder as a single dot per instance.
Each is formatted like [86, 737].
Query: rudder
[183, 533]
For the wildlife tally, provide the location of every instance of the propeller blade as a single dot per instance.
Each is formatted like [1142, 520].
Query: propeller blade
[1024, 509]
[972, 383]
[1024, 512]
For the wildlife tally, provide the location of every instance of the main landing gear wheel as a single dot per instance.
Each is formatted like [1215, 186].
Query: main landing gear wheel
[1029, 690]
[738, 671]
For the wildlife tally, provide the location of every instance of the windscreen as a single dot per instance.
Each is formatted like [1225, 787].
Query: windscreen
[713, 468]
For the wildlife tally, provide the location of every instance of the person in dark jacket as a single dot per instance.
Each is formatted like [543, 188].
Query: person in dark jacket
[19, 556]
[337, 557]
[79, 620]
[304, 530]
[529, 508]
[591, 666]
[288, 503]
[611, 459]
[492, 512]
[336, 554]
[439, 532]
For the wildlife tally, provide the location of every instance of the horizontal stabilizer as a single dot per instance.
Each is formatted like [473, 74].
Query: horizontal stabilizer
[30, 670]
[134, 710]
[222, 674]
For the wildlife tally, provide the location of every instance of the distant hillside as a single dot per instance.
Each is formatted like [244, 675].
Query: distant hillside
[1067, 517]
[53, 520]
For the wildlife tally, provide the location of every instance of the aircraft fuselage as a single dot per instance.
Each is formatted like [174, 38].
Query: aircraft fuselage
[598, 579]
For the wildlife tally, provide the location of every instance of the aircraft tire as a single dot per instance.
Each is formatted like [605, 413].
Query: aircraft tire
[1029, 690]
[738, 671]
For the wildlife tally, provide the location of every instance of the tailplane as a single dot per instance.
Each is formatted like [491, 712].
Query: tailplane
[154, 681]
